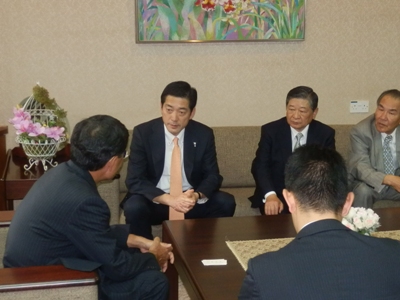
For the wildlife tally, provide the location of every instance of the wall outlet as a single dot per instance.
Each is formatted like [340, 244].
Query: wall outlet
[359, 106]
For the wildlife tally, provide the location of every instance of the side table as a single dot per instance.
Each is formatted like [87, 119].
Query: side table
[16, 181]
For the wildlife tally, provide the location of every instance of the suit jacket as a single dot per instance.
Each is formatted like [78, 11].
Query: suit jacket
[146, 160]
[366, 153]
[273, 151]
[63, 218]
[326, 260]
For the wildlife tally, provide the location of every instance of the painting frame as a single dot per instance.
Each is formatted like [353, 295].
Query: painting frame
[195, 21]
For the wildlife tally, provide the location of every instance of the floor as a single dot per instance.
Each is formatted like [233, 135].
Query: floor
[182, 293]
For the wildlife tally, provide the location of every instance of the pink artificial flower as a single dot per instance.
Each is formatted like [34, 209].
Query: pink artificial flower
[54, 132]
[37, 129]
[24, 126]
[19, 116]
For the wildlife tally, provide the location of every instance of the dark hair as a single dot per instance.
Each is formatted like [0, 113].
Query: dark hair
[180, 89]
[97, 139]
[318, 178]
[392, 93]
[303, 92]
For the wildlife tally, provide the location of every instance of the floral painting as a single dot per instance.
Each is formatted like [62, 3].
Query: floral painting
[219, 20]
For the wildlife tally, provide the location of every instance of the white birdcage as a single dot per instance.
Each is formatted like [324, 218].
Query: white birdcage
[40, 151]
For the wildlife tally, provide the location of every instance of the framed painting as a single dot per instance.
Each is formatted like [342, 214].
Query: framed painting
[160, 21]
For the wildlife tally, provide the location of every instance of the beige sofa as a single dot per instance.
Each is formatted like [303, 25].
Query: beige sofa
[36, 283]
[236, 147]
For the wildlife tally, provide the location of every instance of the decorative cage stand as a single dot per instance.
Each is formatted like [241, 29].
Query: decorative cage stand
[40, 152]
[43, 150]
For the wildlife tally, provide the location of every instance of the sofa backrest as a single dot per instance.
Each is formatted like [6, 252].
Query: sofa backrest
[236, 148]
[342, 139]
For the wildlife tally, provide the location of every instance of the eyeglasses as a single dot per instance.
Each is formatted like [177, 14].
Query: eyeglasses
[125, 154]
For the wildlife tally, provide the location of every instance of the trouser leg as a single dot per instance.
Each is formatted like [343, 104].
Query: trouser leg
[137, 211]
[220, 204]
[364, 195]
[148, 285]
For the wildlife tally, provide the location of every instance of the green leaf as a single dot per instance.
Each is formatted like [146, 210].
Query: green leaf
[168, 22]
[197, 28]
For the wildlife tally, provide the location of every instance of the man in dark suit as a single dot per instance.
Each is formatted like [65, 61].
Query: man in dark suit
[371, 177]
[277, 142]
[63, 219]
[148, 181]
[326, 260]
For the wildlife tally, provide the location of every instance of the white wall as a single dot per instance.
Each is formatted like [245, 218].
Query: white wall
[84, 53]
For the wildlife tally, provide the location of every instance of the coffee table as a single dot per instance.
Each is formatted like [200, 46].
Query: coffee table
[195, 240]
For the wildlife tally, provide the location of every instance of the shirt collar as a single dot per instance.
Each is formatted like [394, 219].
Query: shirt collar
[169, 137]
[393, 134]
[295, 132]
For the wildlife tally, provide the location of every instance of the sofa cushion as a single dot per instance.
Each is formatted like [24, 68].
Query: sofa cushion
[242, 203]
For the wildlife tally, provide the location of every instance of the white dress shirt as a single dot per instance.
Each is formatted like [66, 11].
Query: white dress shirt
[164, 182]
[303, 139]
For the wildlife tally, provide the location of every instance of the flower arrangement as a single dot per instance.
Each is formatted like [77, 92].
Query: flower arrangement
[41, 127]
[364, 221]
[40, 122]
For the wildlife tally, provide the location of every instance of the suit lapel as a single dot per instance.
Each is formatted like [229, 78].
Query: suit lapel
[398, 147]
[311, 135]
[157, 146]
[286, 139]
[189, 149]
[377, 147]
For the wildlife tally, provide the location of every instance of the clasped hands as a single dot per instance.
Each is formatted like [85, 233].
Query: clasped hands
[184, 202]
[162, 251]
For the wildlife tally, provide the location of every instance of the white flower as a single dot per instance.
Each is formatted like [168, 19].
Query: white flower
[348, 224]
[351, 213]
[361, 220]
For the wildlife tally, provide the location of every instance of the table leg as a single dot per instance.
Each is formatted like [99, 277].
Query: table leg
[172, 276]
[171, 273]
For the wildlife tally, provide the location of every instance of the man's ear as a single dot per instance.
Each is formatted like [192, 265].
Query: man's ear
[109, 167]
[193, 113]
[315, 112]
[347, 205]
[290, 200]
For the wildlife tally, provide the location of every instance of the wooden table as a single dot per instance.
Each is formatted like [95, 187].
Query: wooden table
[194, 240]
[16, 181]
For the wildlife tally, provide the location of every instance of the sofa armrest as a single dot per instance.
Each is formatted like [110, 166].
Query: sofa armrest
[47, 282]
